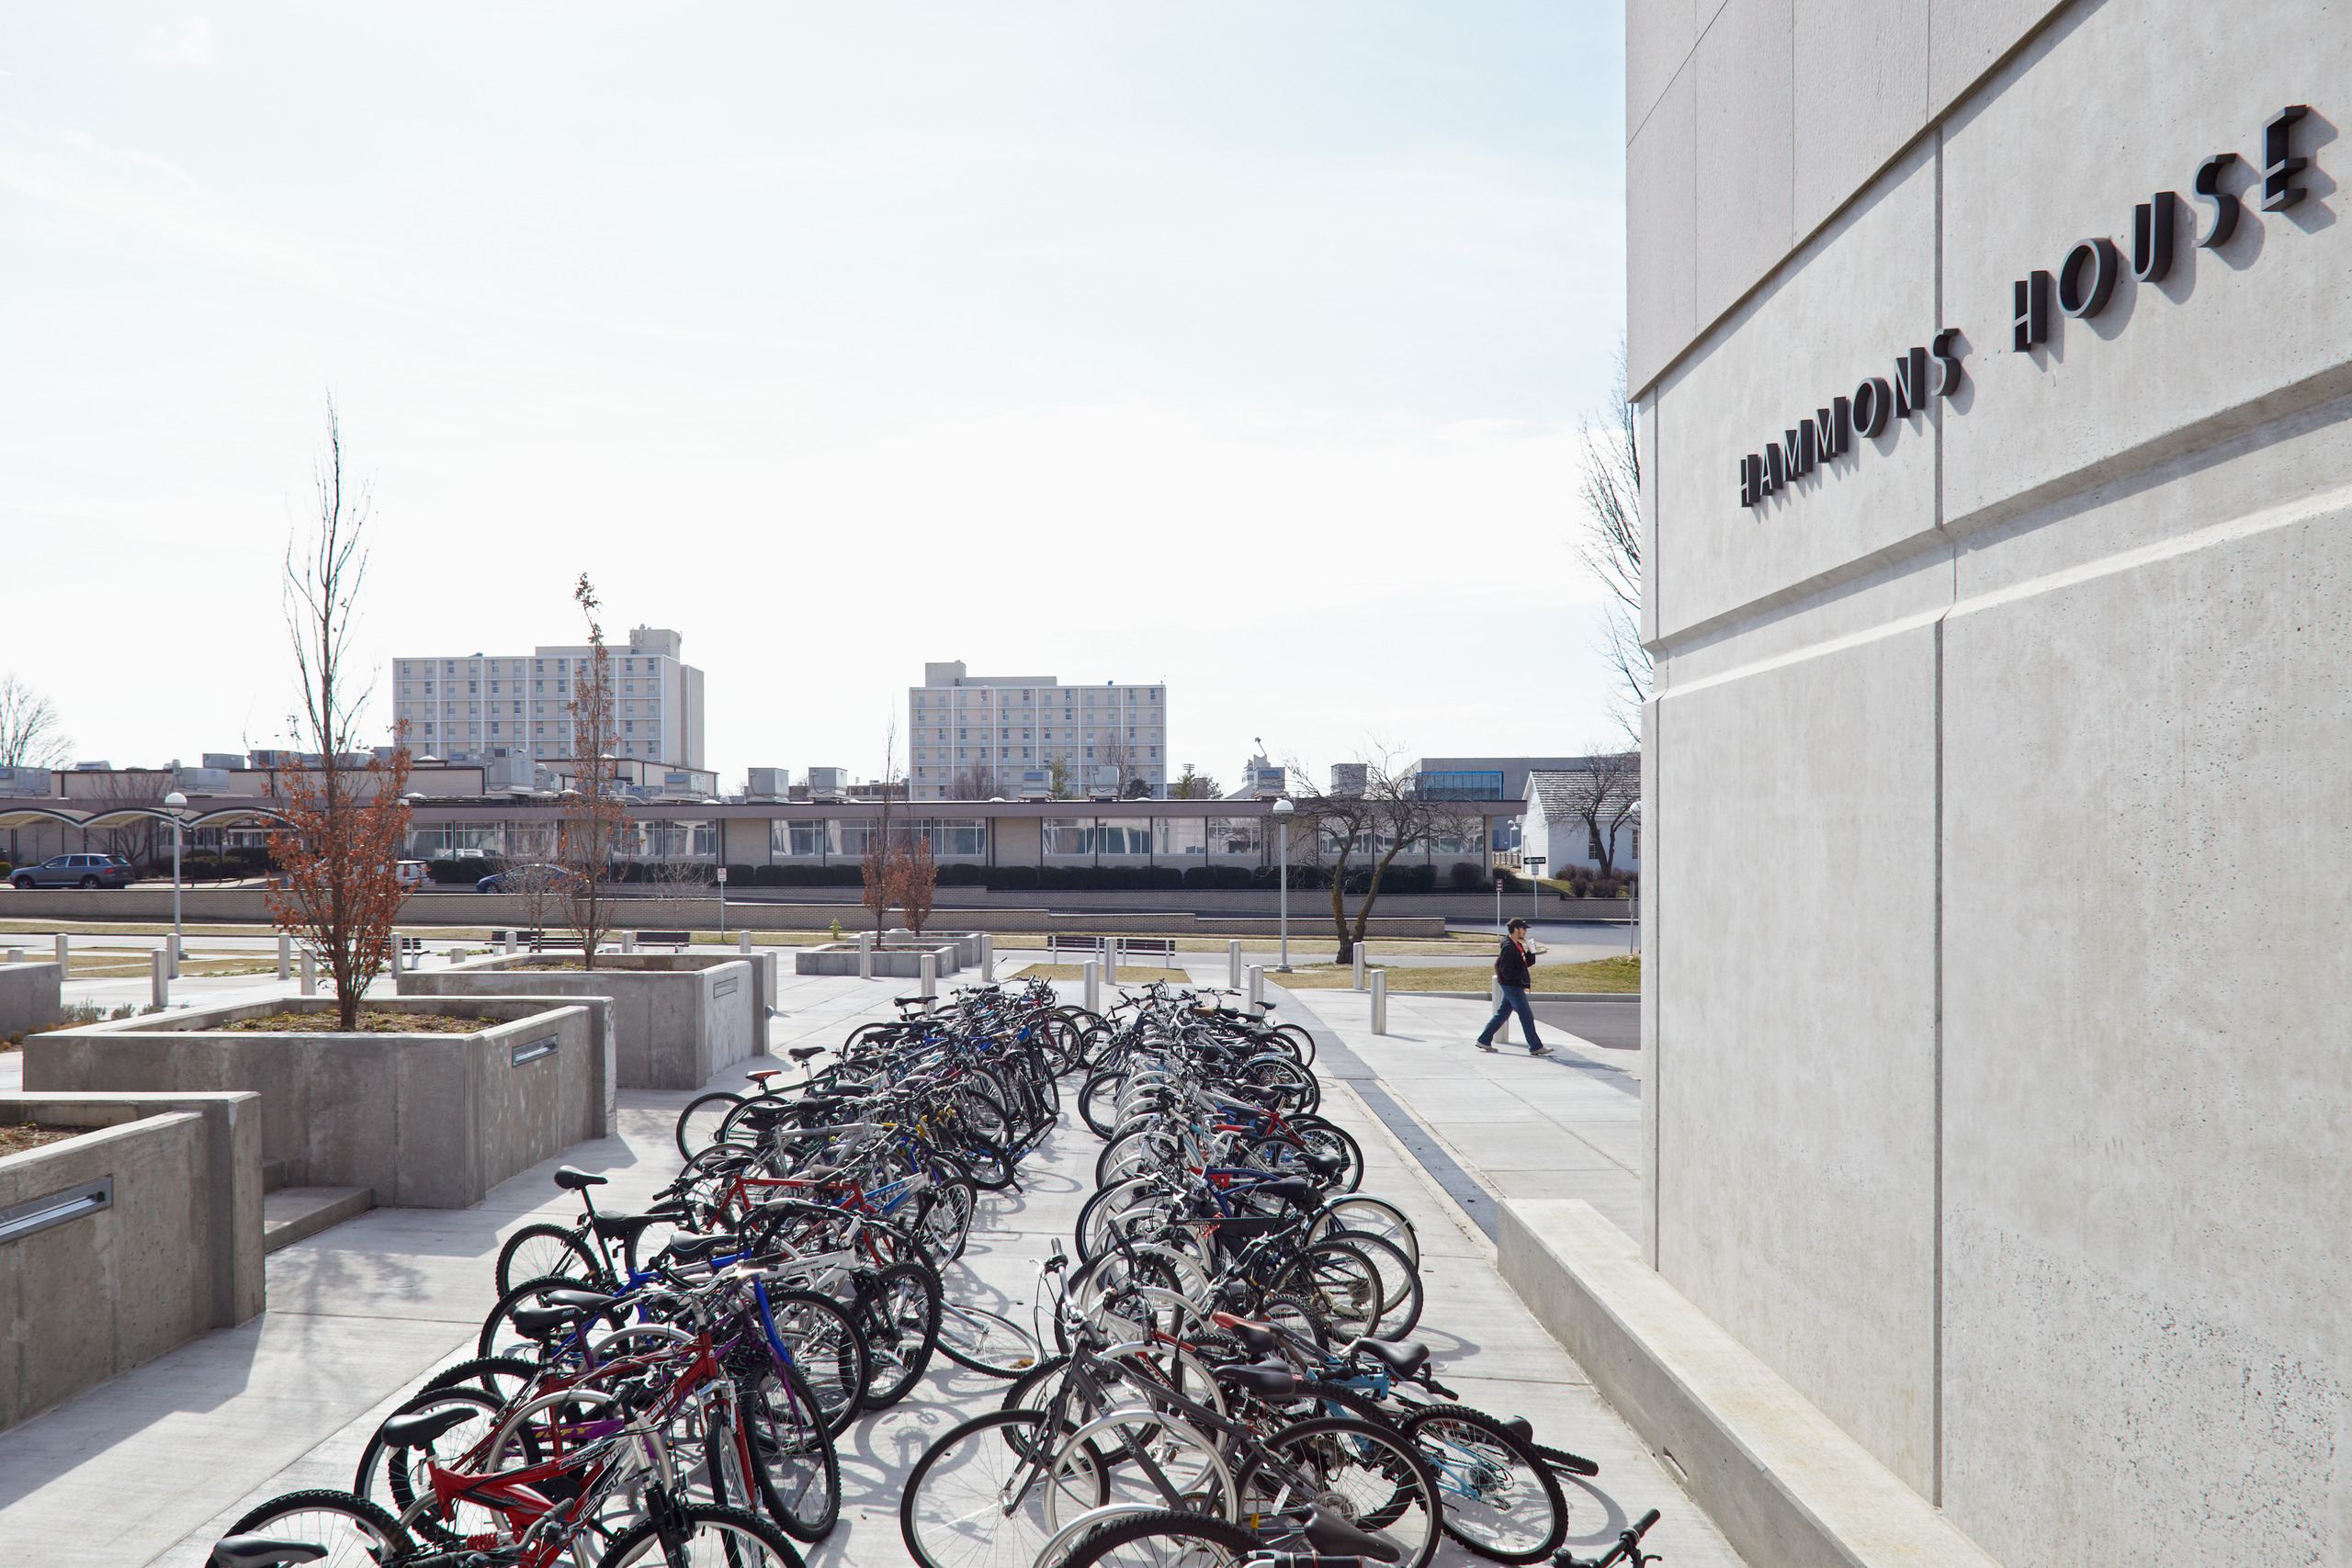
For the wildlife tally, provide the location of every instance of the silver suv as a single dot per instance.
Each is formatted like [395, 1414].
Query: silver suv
[74, 870]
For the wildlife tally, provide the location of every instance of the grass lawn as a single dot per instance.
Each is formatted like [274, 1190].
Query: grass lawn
[1601, 975]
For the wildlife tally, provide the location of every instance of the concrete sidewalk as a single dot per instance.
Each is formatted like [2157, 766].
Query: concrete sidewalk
[153, 1467]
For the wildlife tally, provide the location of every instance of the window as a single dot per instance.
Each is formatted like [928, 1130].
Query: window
[809, 838]
[428, 688]
[473, 688]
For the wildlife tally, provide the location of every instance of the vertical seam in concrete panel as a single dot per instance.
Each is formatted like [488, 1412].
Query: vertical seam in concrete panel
[1936, 1315]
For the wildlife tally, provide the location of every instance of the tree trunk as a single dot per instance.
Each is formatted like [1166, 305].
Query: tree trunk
[1338, 904]
[1363, 910]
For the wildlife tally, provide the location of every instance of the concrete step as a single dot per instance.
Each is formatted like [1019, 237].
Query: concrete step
[273, 1174]
[291, 1213]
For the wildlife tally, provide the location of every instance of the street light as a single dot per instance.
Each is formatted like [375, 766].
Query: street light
[176, 800]
[1283, 808]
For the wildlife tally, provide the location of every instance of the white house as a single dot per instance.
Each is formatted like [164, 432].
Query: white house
[1571, 810]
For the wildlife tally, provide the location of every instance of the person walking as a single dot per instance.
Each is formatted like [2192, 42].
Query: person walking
[1511, 967]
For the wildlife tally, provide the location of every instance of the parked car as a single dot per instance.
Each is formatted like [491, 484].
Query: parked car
[413, 873]
[516, 878]
[74, 870]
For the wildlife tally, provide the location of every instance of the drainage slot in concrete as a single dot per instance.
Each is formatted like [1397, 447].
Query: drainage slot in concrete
[725, 988]
[39, 1213]
[537, 1049]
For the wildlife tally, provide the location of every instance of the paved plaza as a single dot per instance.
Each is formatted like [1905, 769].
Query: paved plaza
[153, 1467]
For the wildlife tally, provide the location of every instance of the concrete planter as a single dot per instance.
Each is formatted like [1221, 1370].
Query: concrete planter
[29, 995]
[901, 962]
[678, 1018]
[425, 1121]
[966, 945]
[117, 1245]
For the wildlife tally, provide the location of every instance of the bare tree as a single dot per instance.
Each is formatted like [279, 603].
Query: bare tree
[533, 879]
[30, 736]
[1370, 830]
[1609, 543]
[595, 813]
[338, 855]
[972, 782]
[1120, 755]
[1601, 790]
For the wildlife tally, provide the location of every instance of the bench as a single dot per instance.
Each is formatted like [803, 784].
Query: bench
[665, 939]
[1062, 941]
[1134, 947]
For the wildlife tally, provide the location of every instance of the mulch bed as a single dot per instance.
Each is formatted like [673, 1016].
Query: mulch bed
[369, 1023]
[17, 1140]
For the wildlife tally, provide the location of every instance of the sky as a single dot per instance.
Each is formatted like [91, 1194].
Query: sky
[1239, 347]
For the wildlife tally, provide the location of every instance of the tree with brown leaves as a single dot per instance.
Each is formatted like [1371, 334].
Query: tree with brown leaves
[338, 855]
[915, 876]
[879, 865]
[594, 813]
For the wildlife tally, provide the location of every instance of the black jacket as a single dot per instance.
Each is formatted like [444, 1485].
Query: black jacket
[1511, 964]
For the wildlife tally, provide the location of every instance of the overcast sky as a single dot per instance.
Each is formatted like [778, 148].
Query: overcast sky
[1235, 346]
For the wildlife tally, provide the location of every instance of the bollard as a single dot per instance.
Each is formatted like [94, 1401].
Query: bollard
[310, 972]
[64, 969]
[15, 955]
[1256, 989]
[742, 941]
[161, 981]
[285, 957]
[988, 958]
[1232, 966]
[398, 969]
[1356, 984]
[510, 942]
[171, 959]
[1495, 998]
[1111, 956]
[1092, 970]
[865, 955]
[1380, 1002]
[929, 972]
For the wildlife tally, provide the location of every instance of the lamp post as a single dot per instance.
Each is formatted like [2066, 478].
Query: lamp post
[1283, 809]
[176, 800]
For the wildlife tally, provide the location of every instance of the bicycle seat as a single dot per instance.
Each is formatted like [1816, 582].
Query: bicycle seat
[1268, 1379]
[1260, 1337]
[1519, 1426]
[694, 1248]
[419, 1430]
[1404, 1358]
[1295, 1190]
[541, 1321]
[761, 1074]
[261, 1551]
[1330, 1532]
[1325, 1166]
[805, 1052]
[625, 1227]
[572, 1179]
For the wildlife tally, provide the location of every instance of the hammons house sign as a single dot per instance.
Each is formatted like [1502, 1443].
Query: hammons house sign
[2080, 287]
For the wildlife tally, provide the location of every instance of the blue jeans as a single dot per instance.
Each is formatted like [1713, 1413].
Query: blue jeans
[1514, 1001]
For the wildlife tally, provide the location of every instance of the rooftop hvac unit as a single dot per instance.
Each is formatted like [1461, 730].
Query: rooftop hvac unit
[769, 783]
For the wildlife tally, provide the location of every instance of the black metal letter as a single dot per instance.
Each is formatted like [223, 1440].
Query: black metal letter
[2081, 296]
[1775, 467]
[1947, 363]
[2152, 223]
[1747, 496]
[2032, 323]
[1833, 427]
[1874, 405]
[2277, 165]
[2222, 221]
[1910, 383]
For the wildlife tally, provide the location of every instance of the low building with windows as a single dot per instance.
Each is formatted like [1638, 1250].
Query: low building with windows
[479, 708]
[981, 736]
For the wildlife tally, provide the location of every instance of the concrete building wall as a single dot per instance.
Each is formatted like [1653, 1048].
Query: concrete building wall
[2001, 855]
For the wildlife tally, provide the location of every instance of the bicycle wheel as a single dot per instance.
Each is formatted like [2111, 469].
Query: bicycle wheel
[1097, 1102]
[705, 1534]
[1400, 1284]
[800, 1474]
[826, 1350]
[1339, 1285]
[978, 1496]
[986, 1342]
[1164, 1540]
[1498, 1495]
[403, 1468]
[538, 1252]
[1369, 1476]
[355, 1532]
[1323, 1138]
[699, 1123]
[1369, 1216]
[500, 1337]
[944, 1219]
[900, 1325]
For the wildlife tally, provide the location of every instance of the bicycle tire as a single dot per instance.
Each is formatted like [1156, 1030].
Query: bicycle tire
[1401, 1293]
[735, 1527]
[1390, 1481]
[490, 1344]
[368, 1537]
[826, 1350]
[986, 1342]
[1210, 1543]
[901, 1330]
[698, 1123]
[943, 1513]
[1494, 1486]
[560, 1248]
[807, 1500]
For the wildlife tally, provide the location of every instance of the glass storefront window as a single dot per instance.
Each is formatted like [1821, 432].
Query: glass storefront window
[959, 836]
[1236, 836]
[802, 838]
[1069, 835]
[1179, 835]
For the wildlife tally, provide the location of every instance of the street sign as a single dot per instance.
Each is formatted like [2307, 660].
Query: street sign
[1531, 860]
[723, 875]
